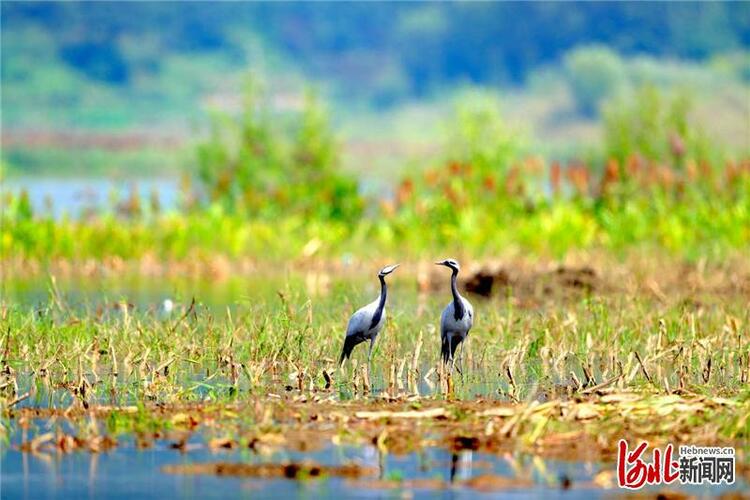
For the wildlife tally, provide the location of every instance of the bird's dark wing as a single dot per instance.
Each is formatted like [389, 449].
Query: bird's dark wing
[350, 342]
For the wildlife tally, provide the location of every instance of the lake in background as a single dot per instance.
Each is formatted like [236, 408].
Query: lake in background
[77, 196]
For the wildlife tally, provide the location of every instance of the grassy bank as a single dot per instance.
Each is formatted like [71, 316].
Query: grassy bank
[450, 210]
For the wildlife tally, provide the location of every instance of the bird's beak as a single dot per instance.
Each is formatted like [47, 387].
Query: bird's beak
[440, 263]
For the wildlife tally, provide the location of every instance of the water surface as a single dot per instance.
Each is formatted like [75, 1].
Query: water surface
[79, 195]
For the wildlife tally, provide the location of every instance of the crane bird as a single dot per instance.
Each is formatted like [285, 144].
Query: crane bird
[366, 323]
[457, 318]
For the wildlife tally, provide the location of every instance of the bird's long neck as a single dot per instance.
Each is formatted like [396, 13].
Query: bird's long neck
[458, 304]
[381, 305]
[383, 293]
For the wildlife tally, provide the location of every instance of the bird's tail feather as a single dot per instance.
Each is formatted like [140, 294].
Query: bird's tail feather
[346, 352]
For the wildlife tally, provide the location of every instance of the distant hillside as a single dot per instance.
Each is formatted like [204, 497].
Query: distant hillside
[154, 67]
[381, 51]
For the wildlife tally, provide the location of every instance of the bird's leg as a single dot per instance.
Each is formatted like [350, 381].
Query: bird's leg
[450, 353]
[369, 358]
[460, 365]
[461, 359]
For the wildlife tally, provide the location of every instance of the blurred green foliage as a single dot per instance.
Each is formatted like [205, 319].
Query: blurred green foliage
[272, 178]
[691, 216]
[429, 44]
[93, 162]
[594, 74]
[275, 190]
[265, 163]
[482, 152]
[149, 59]
[158, 66]
[656, 127]
[481, 136]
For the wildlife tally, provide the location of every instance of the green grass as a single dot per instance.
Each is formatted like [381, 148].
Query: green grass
[522, 344]
[653, 350]
[691, 223]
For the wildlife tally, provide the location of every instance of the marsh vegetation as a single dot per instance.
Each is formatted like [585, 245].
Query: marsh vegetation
[598, 202]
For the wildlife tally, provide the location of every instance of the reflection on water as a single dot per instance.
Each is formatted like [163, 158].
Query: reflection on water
[127, 472]
[78, 475]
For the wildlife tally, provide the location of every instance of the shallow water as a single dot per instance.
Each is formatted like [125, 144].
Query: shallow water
[74, 196]
[103, 297]
[126, 471]
[78, 475]
[148, 293]
[83, 474]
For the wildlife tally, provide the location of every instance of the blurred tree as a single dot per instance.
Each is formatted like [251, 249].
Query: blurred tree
[594, 73]
[481, 137]
[432, 44]
[655, 127]
[265, 162]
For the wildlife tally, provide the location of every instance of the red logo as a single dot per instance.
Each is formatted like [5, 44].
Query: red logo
[633, 472]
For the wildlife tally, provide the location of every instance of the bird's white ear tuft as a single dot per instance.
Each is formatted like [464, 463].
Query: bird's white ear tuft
[388, 269]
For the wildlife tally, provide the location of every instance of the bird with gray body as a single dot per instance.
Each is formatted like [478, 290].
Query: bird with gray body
[457, 318]
[366, 323]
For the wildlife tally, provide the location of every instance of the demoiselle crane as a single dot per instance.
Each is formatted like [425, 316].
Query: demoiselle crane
[457, 318]
[366, 323]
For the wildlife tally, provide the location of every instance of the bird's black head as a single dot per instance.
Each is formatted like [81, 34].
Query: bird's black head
[387, 270]
[451, 263]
